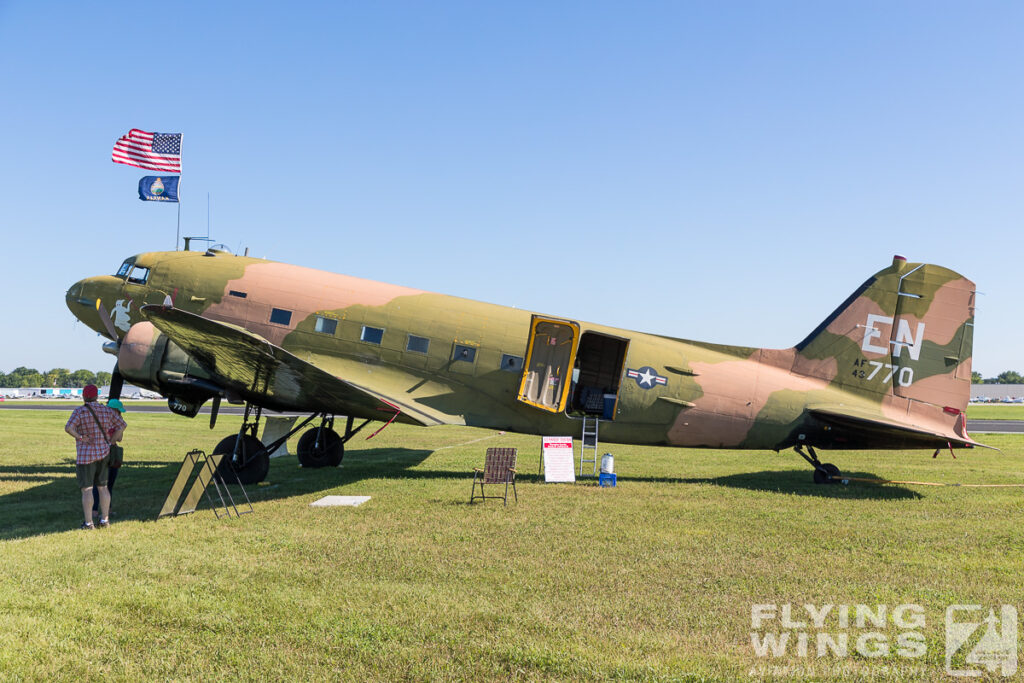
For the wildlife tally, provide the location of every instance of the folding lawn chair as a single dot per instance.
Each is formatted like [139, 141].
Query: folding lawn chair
[499, 468]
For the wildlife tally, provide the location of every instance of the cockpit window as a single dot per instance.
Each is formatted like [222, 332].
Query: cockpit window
[125, 267]
[139, 275]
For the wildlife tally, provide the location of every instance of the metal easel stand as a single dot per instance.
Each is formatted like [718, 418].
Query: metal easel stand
[208, 470]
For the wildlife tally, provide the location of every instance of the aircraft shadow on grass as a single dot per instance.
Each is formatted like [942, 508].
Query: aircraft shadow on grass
[795, 482]
[54, 506]
[798, 482]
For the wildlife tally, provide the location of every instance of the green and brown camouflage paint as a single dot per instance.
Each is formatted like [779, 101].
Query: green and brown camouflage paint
[890, 367]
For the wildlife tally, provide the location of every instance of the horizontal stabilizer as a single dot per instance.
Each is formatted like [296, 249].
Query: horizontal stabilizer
[866, 422]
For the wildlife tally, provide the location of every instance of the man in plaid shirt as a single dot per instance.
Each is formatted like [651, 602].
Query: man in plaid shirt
[93, 448]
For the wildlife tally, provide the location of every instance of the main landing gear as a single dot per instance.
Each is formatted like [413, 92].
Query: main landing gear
[324, 447]
[247, 460]
[824, 473]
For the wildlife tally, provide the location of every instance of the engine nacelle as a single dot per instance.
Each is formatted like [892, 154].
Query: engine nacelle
[147, 358]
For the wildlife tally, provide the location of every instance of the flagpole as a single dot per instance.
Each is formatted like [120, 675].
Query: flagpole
[181, 167]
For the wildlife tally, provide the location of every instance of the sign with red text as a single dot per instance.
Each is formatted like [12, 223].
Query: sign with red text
[557, 452]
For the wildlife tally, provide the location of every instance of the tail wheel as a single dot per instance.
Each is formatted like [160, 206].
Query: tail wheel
[826, 474]
[251, 452]
[320, 447]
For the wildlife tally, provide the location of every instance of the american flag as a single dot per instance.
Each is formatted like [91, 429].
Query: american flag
[153, 151]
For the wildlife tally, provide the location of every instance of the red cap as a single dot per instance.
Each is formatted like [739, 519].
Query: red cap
[90, 391]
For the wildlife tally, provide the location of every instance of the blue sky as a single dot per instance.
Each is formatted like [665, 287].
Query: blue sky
[719, 171]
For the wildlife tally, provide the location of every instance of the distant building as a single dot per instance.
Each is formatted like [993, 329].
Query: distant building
[56, 392]
[127, 391]
[996, 392]
[130, 391]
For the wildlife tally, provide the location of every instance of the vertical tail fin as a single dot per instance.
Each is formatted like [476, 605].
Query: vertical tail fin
[908, 332]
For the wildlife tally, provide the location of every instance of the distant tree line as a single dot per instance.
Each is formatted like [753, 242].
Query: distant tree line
[1008, 377]
[58, 377]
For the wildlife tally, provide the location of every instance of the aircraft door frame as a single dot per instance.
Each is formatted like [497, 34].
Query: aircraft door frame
[547, 372]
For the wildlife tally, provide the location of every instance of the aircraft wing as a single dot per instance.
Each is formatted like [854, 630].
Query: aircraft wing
[268, 375]
[871, 423]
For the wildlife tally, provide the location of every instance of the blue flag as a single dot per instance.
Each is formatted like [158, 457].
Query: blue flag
[154, 188]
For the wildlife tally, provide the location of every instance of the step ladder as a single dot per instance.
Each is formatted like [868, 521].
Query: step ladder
[590, 427]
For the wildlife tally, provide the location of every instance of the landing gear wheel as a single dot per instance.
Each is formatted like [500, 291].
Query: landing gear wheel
[257, 461]
[826, 474]
[327, 453]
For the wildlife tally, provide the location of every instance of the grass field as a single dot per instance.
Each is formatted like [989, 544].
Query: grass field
[654, 579]
[995, 411]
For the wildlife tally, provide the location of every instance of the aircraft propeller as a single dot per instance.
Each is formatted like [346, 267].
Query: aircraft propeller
[215, 408]
[116, 379]
[108, 324]
[116, 383]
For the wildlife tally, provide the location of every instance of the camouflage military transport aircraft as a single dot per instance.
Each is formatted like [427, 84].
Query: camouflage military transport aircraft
[890, 368]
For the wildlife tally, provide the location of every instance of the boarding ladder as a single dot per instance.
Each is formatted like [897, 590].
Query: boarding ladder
[590, 425]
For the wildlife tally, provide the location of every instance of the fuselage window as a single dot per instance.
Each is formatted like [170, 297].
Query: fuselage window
[463, 352]
[325, 325]
[373, 335]
[417, 344]
[279, 316]
[125, 267]
[139, 275]
[510, 363]
[240, 295]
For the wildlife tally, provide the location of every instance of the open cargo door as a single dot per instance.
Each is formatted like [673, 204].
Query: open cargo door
[549, 359]
[599, 369]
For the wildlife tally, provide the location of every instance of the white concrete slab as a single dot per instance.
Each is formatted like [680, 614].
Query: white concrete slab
[332, 501]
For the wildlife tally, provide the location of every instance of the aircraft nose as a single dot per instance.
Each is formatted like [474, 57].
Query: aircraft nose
[77, 300]
[82, 298]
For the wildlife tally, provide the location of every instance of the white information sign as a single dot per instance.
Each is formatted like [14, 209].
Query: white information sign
[558, 459]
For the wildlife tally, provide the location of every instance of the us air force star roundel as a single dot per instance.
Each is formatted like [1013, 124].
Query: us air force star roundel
[646, 377]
